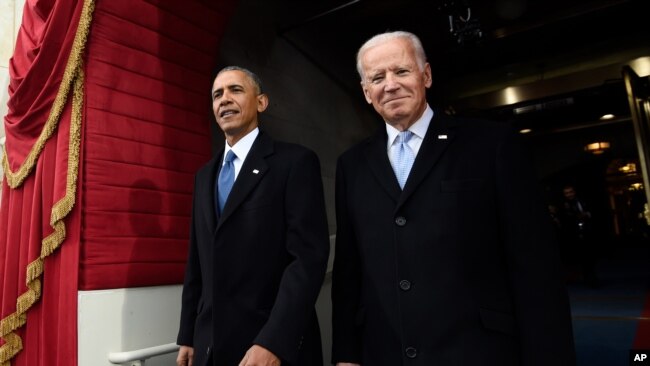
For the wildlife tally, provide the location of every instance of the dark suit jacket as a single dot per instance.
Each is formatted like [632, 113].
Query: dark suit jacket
[254, 273]
[459, 268]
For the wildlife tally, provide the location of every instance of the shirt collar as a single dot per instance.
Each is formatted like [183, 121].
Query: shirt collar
[419, 128]
[243, 146]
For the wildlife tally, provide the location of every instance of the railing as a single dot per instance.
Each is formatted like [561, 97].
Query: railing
[138, 357]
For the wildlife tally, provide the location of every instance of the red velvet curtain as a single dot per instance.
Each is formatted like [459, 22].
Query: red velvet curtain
[99, 158]
[40, 188]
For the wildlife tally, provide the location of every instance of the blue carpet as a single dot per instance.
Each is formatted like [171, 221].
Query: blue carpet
[606, 317]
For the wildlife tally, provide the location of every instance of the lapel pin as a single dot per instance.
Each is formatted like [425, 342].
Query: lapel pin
[442, 137]
[255, 171]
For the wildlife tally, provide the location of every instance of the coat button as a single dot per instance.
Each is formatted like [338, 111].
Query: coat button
[400, 221]
[411, 352]
[405, 285]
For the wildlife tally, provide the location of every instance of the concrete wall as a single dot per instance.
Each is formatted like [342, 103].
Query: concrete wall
[306, 107]
[124, 320]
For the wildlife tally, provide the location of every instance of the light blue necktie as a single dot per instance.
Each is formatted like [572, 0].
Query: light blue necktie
[403, 157]
[226, 180]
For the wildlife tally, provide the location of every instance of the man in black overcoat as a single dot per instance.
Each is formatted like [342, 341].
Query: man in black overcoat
[258, 243]
[444, 252]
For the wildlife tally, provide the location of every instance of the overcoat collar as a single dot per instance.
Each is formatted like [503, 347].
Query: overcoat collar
[439, 135]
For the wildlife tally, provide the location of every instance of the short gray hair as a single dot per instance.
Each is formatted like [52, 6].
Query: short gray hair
[420, 56]
[257, 82]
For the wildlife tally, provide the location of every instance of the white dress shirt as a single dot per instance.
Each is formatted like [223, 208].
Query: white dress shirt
[241, 149]
[419, 129]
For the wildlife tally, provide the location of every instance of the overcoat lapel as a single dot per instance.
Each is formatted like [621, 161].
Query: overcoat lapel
[251, 173]
[439, 136]
[377, 158]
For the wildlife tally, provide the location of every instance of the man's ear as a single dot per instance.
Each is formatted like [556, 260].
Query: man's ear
[428, 79]
[262, 102]
[366, 92]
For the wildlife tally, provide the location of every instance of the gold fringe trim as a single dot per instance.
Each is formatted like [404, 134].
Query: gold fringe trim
[60, 210]
[16, 346]
[15, 179]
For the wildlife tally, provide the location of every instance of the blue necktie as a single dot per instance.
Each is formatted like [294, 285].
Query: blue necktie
[226, 179]
[403, 157]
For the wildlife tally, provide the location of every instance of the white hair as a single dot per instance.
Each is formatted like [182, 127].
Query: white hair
[420, 56]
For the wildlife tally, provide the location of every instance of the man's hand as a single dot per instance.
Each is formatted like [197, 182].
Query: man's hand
[259, 356]
[347, 364]
[185, 356]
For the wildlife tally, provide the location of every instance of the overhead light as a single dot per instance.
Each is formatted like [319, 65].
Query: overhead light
[607, 116]
[511, 95]
[597, 148]
[641, 66]
[628, 168]
[525, 130]
[636, 186]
